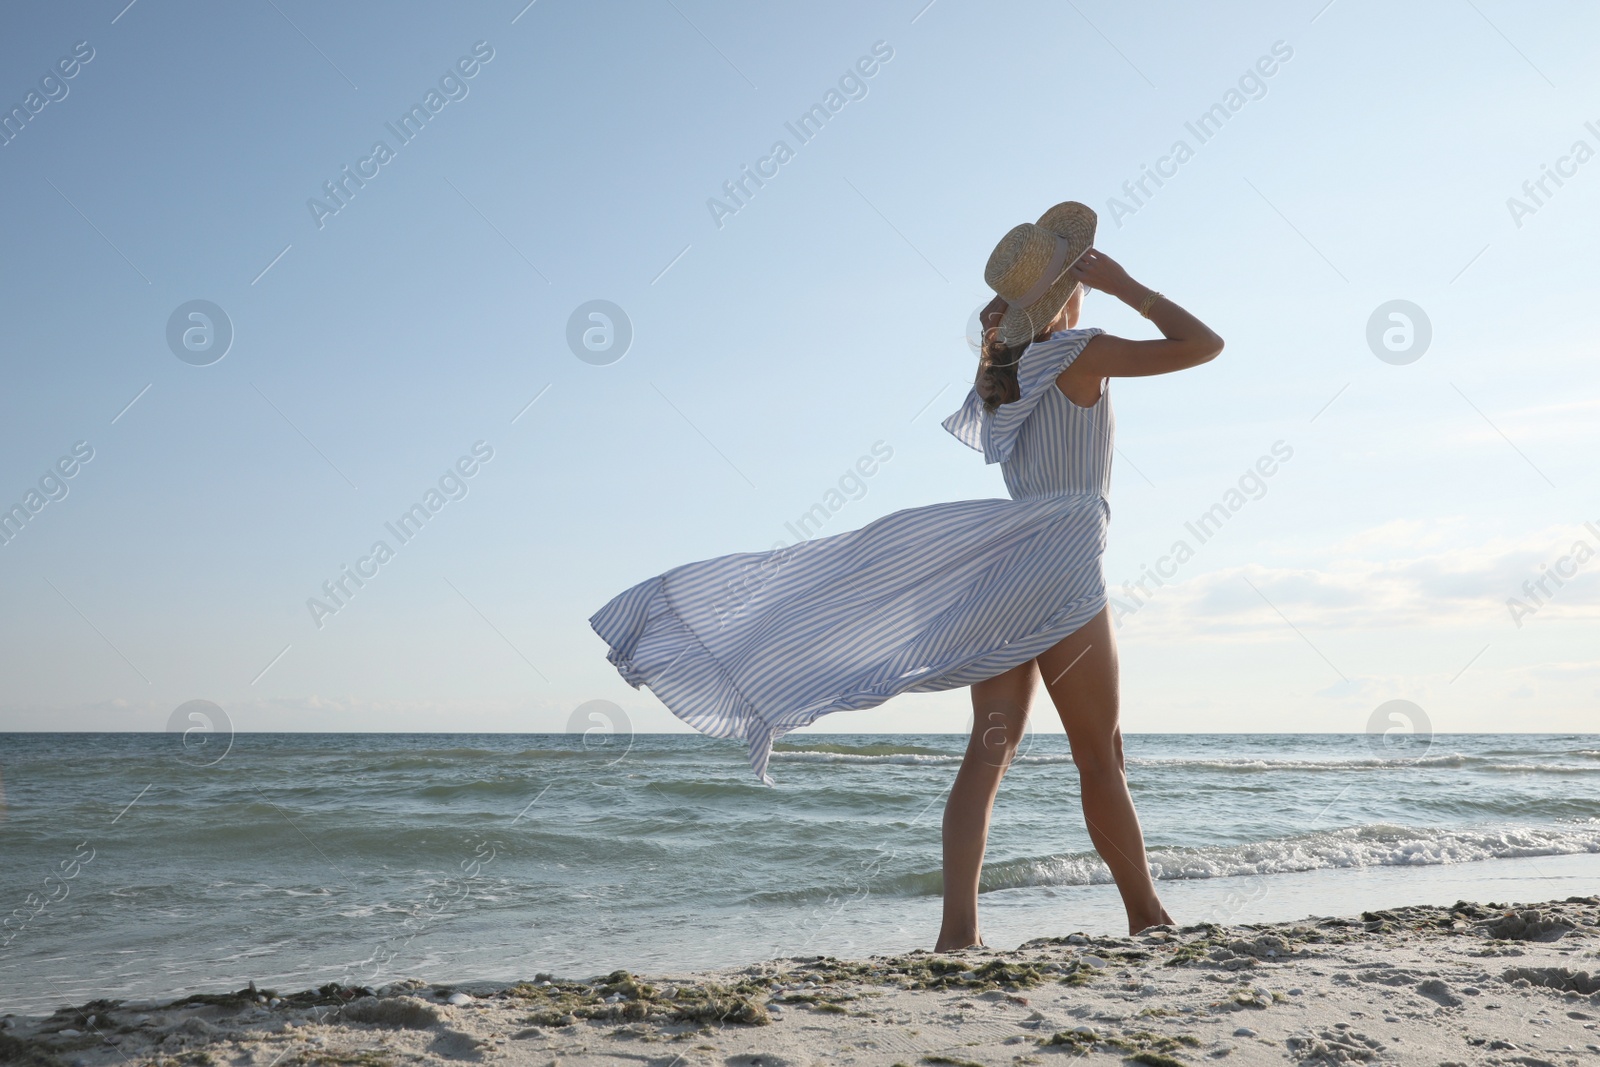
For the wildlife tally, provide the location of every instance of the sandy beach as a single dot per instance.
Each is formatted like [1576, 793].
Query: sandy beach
[1466, 984]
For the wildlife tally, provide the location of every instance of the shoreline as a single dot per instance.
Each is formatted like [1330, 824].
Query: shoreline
[1510, 983]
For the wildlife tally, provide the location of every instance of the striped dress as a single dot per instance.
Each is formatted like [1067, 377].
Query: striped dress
[756, 644]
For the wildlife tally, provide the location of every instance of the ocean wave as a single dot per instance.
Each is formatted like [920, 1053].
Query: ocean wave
[823, 756]
[1253, 764]
[858, 750]
[1225, 764]
[1444, 761]
[482, 787]
[905, 755]
[1536, 768]
[1373, 845]
[437, 758]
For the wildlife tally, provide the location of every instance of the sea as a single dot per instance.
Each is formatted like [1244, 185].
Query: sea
[133, 866]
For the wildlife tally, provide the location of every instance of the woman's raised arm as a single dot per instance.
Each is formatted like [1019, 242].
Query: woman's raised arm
[1186, 341]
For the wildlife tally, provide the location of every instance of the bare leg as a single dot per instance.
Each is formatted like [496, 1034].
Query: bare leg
[999, 717]
[1080, 673]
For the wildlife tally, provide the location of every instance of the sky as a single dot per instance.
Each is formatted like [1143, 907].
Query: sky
[364, 344]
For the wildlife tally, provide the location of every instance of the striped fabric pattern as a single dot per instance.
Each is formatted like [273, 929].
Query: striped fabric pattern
[1059, 446]
[753, 645]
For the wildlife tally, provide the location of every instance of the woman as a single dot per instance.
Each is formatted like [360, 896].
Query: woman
[990, 594]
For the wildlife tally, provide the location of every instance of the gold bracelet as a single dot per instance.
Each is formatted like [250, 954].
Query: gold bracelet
[1148, 302]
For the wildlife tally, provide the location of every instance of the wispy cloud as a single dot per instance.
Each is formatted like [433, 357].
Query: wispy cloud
[1399, 574]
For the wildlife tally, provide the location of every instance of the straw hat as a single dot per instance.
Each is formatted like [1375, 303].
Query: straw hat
[1028, 268]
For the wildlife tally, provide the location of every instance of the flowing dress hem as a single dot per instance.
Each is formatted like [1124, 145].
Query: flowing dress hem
[724, 711]
[645, 610]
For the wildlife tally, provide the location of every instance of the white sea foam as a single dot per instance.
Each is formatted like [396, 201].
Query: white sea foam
[1242, 764]
[1246, 763]
[1376, 845]
[817, 756]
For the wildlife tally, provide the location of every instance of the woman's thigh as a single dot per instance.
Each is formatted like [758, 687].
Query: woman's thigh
[1000, 712]
[1080, 674]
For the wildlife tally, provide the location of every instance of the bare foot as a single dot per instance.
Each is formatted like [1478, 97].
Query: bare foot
[1145, 922]
[947, 943]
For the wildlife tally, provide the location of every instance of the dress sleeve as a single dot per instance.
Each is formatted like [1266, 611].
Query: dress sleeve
[995, 435]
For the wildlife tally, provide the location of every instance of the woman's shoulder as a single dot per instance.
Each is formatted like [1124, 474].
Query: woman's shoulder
[995, 433]
[1081, 333]
[1056, 350]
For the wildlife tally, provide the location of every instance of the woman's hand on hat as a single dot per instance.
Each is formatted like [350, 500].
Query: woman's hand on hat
[1099, 271]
